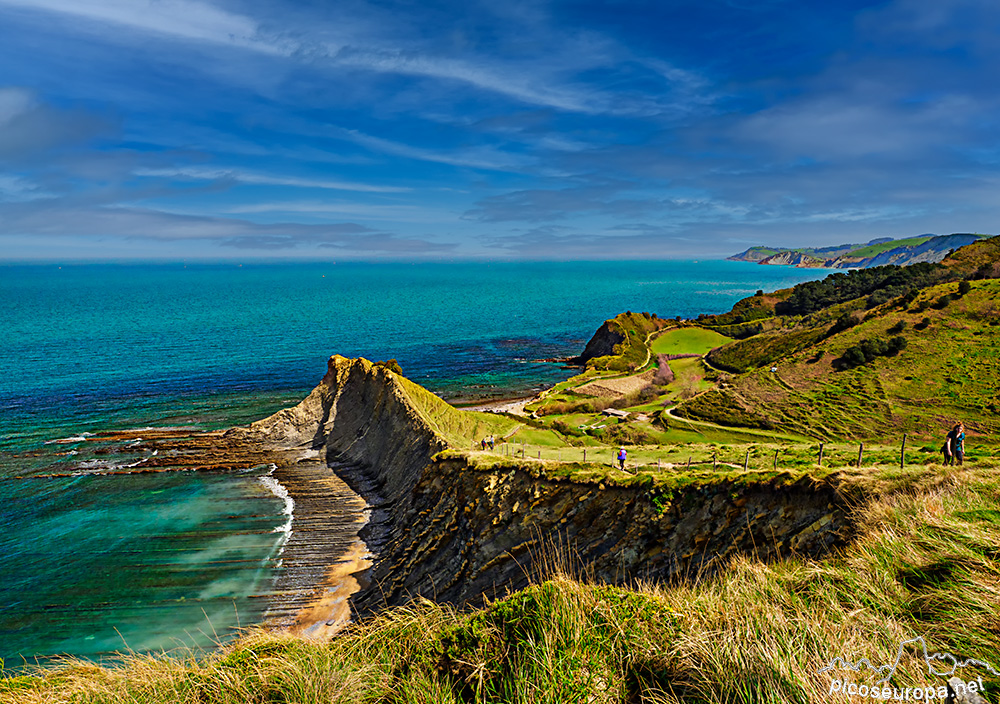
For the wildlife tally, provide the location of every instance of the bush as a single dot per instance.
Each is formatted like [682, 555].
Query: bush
[392, 365]
[922, 324]
[844, 322]
[944, 301]
[897, 328]
[964, 287]
[870, 349]
[897, 344]
[561, 426]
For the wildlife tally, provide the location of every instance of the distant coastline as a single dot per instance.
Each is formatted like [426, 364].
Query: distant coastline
[878, 252]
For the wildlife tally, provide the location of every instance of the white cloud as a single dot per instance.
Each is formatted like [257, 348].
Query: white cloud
[184, 19]
[476, 158]
[376, 212]
[266, 179]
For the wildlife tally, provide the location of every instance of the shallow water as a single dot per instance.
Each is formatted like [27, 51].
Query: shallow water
[95, 563]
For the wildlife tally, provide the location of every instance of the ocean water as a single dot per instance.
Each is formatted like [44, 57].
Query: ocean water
[97, 563]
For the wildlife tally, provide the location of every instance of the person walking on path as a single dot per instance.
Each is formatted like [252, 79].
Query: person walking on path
[954, 446]
[622, 456]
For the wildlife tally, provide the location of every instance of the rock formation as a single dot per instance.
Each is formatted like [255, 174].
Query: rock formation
[458, 526]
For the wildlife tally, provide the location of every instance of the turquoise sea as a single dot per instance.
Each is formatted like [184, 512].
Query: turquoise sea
[96, 563]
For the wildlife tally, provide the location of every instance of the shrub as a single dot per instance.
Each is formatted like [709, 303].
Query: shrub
[869, 349]
[844, 322]
[922, 324]
[392, 365]
[943, 301]
[964, 287]
[565, 428]
[897, 328]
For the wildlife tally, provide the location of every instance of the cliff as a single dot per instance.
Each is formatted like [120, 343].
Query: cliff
[457, 526]
[793, 259]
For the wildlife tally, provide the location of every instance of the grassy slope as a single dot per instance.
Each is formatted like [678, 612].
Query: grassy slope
[632, 353]
[947, 372]
[458, 428]
[924, 564]
[876, 249]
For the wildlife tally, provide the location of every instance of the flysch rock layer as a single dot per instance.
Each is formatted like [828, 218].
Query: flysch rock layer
[454, 530]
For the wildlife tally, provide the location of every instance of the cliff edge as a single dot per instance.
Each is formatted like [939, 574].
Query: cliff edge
[457, 525]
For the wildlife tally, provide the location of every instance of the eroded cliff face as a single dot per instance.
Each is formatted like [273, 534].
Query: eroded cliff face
[454, 529]
[359, 414]
[470, 532]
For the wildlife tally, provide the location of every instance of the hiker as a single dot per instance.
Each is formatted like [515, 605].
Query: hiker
[482, 444]
[491, 441]
[954, 446]
[622, 456]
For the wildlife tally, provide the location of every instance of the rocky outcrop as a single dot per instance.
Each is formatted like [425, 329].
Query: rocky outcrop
[932, 251]
[602, 343]
[456, 527]
[360, 414]
[793, 259]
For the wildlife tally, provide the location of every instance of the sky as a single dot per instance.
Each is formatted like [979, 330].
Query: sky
[503, 130]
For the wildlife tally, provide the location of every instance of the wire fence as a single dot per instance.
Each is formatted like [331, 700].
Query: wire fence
[757, 457]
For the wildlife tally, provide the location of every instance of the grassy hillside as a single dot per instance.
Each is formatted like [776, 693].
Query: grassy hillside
[923, 564]
[458, 428]
[632, 352]
[947, 372]
[876, 249]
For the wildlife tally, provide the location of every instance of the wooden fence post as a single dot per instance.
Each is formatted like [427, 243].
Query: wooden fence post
[689, 461]
[584, 454]
[820, 462]
[776, 458]
[861, 452]
[902, 453]
[746, 461]
[715, 460]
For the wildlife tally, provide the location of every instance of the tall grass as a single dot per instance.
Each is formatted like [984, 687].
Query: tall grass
[925, 562]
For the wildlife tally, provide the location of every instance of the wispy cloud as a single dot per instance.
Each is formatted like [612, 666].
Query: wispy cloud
[222, 174]
[182, 19]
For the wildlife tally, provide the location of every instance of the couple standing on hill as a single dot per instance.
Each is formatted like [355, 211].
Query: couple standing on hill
[954, 446]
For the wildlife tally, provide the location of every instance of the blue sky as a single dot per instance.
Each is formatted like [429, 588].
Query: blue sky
[427, 129]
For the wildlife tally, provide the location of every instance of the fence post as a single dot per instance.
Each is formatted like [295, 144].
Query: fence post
[715, 460]
[584, 454]
[539, 454]
[820, 462]
[746, 461]
[902, 452]
[861, 452]
[776, 458]
[689, 461]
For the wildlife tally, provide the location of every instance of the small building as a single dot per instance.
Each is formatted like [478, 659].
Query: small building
[615, 413]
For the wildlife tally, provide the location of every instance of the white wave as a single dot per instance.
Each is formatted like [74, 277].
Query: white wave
[275, 487]
[73, 438]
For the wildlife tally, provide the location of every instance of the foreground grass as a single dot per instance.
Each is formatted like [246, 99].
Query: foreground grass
[924, 563]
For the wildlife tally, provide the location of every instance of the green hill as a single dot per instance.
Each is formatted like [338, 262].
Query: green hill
[947, 371]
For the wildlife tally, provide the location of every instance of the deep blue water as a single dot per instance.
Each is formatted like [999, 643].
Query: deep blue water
[91, 564]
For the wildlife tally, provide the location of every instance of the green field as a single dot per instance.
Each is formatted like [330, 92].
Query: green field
[688, 341]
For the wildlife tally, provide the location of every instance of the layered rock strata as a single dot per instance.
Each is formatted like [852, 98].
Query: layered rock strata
[457, 527]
